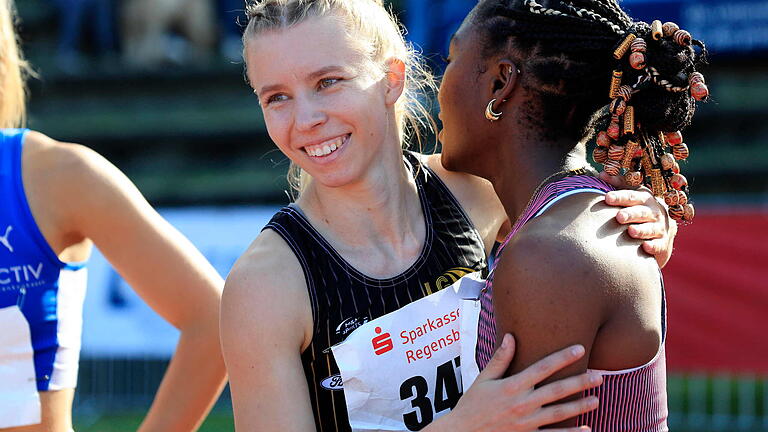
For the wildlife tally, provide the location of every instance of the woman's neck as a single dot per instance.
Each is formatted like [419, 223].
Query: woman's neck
[524, 168]
[383, 208]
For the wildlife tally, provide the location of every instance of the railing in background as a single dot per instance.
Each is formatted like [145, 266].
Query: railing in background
[697, 402]
[714, 403]
[118, 390]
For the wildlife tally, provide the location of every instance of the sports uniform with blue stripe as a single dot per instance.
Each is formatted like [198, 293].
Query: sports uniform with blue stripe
[41, 300]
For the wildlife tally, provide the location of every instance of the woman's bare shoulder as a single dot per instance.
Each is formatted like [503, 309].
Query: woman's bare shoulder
[267, 285]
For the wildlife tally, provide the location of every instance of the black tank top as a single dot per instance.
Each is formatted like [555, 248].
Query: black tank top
[343, 298]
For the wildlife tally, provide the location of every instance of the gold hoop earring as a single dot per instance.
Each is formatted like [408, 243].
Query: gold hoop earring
[489, 114]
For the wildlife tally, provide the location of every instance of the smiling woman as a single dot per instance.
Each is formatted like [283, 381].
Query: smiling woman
[368, 39]
[325, 96]
[374, 228]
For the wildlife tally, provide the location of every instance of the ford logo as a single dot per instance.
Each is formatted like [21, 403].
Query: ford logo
[332, 383]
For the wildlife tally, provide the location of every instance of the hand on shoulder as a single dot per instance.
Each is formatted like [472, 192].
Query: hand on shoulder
[521, 403]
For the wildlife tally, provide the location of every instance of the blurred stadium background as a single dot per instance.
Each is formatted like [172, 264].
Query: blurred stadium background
[157, 87]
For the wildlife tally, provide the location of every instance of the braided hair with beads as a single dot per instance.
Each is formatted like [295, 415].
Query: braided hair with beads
[571, 52]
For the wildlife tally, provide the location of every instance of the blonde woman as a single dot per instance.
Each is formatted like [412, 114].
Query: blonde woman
[58, 200]
[372, 230]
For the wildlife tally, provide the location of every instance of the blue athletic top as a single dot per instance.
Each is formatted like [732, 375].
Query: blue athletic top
[48, 292]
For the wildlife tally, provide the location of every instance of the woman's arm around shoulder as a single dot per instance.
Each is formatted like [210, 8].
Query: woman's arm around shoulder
[266, 322]
[93, 200]
[646, 218]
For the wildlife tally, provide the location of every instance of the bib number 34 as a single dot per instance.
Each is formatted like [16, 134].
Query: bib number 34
[447, 391]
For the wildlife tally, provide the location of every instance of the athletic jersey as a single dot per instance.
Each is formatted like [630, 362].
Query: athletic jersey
[343, 298]
[48, 293]
[630, 400]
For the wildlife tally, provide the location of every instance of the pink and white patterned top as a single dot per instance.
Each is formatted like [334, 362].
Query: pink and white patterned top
[630, 400]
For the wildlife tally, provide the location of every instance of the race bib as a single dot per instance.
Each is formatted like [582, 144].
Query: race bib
[470, 317]
[403, 370]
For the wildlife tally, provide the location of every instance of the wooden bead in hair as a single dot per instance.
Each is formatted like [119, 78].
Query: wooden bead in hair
[656, 31]
[616, 152]
[672, 197]
[675, 168]
[638, 45]
[688, 212]
[696, 77]
[637, 60]
[624, 92]
[680, 151]
[676, 212]
[633, 178]
[615, 84]
[678, 181]
[674, 138]
[658, 187]
[667, 161]
[699, 91]
[629, 120]
[614, 130]
[630, 151]
[698, 86]
[619, 52]
[682, 38]
[603, 140]
[612, 167]
[669, 28]
[600, 155]
[645, 162]
[618, 106]
[675, 197]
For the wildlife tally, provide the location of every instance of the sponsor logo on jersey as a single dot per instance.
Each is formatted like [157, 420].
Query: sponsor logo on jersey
[447, 279]
[20, 274]
[4, 238]
[333, 382]
[382, 343]
[346, 327]
[349, 325]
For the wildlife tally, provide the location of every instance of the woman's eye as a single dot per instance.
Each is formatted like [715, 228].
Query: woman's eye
[276, 98]
[327, 82]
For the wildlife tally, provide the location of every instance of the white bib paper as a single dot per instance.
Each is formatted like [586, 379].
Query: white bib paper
[19, 400]
[470, 316]
[403, 370]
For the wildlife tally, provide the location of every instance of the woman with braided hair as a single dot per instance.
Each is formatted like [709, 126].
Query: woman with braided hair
[374, 229]
[526, 87]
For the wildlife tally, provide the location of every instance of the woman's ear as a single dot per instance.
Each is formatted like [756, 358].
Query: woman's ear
[395, 77]
[505, 81]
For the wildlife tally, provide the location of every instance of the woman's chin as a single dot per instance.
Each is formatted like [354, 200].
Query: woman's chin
[450, 162]
[335, 180]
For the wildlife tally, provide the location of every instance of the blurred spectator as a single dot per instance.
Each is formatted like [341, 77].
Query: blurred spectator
[97, 14]
[158, 32]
